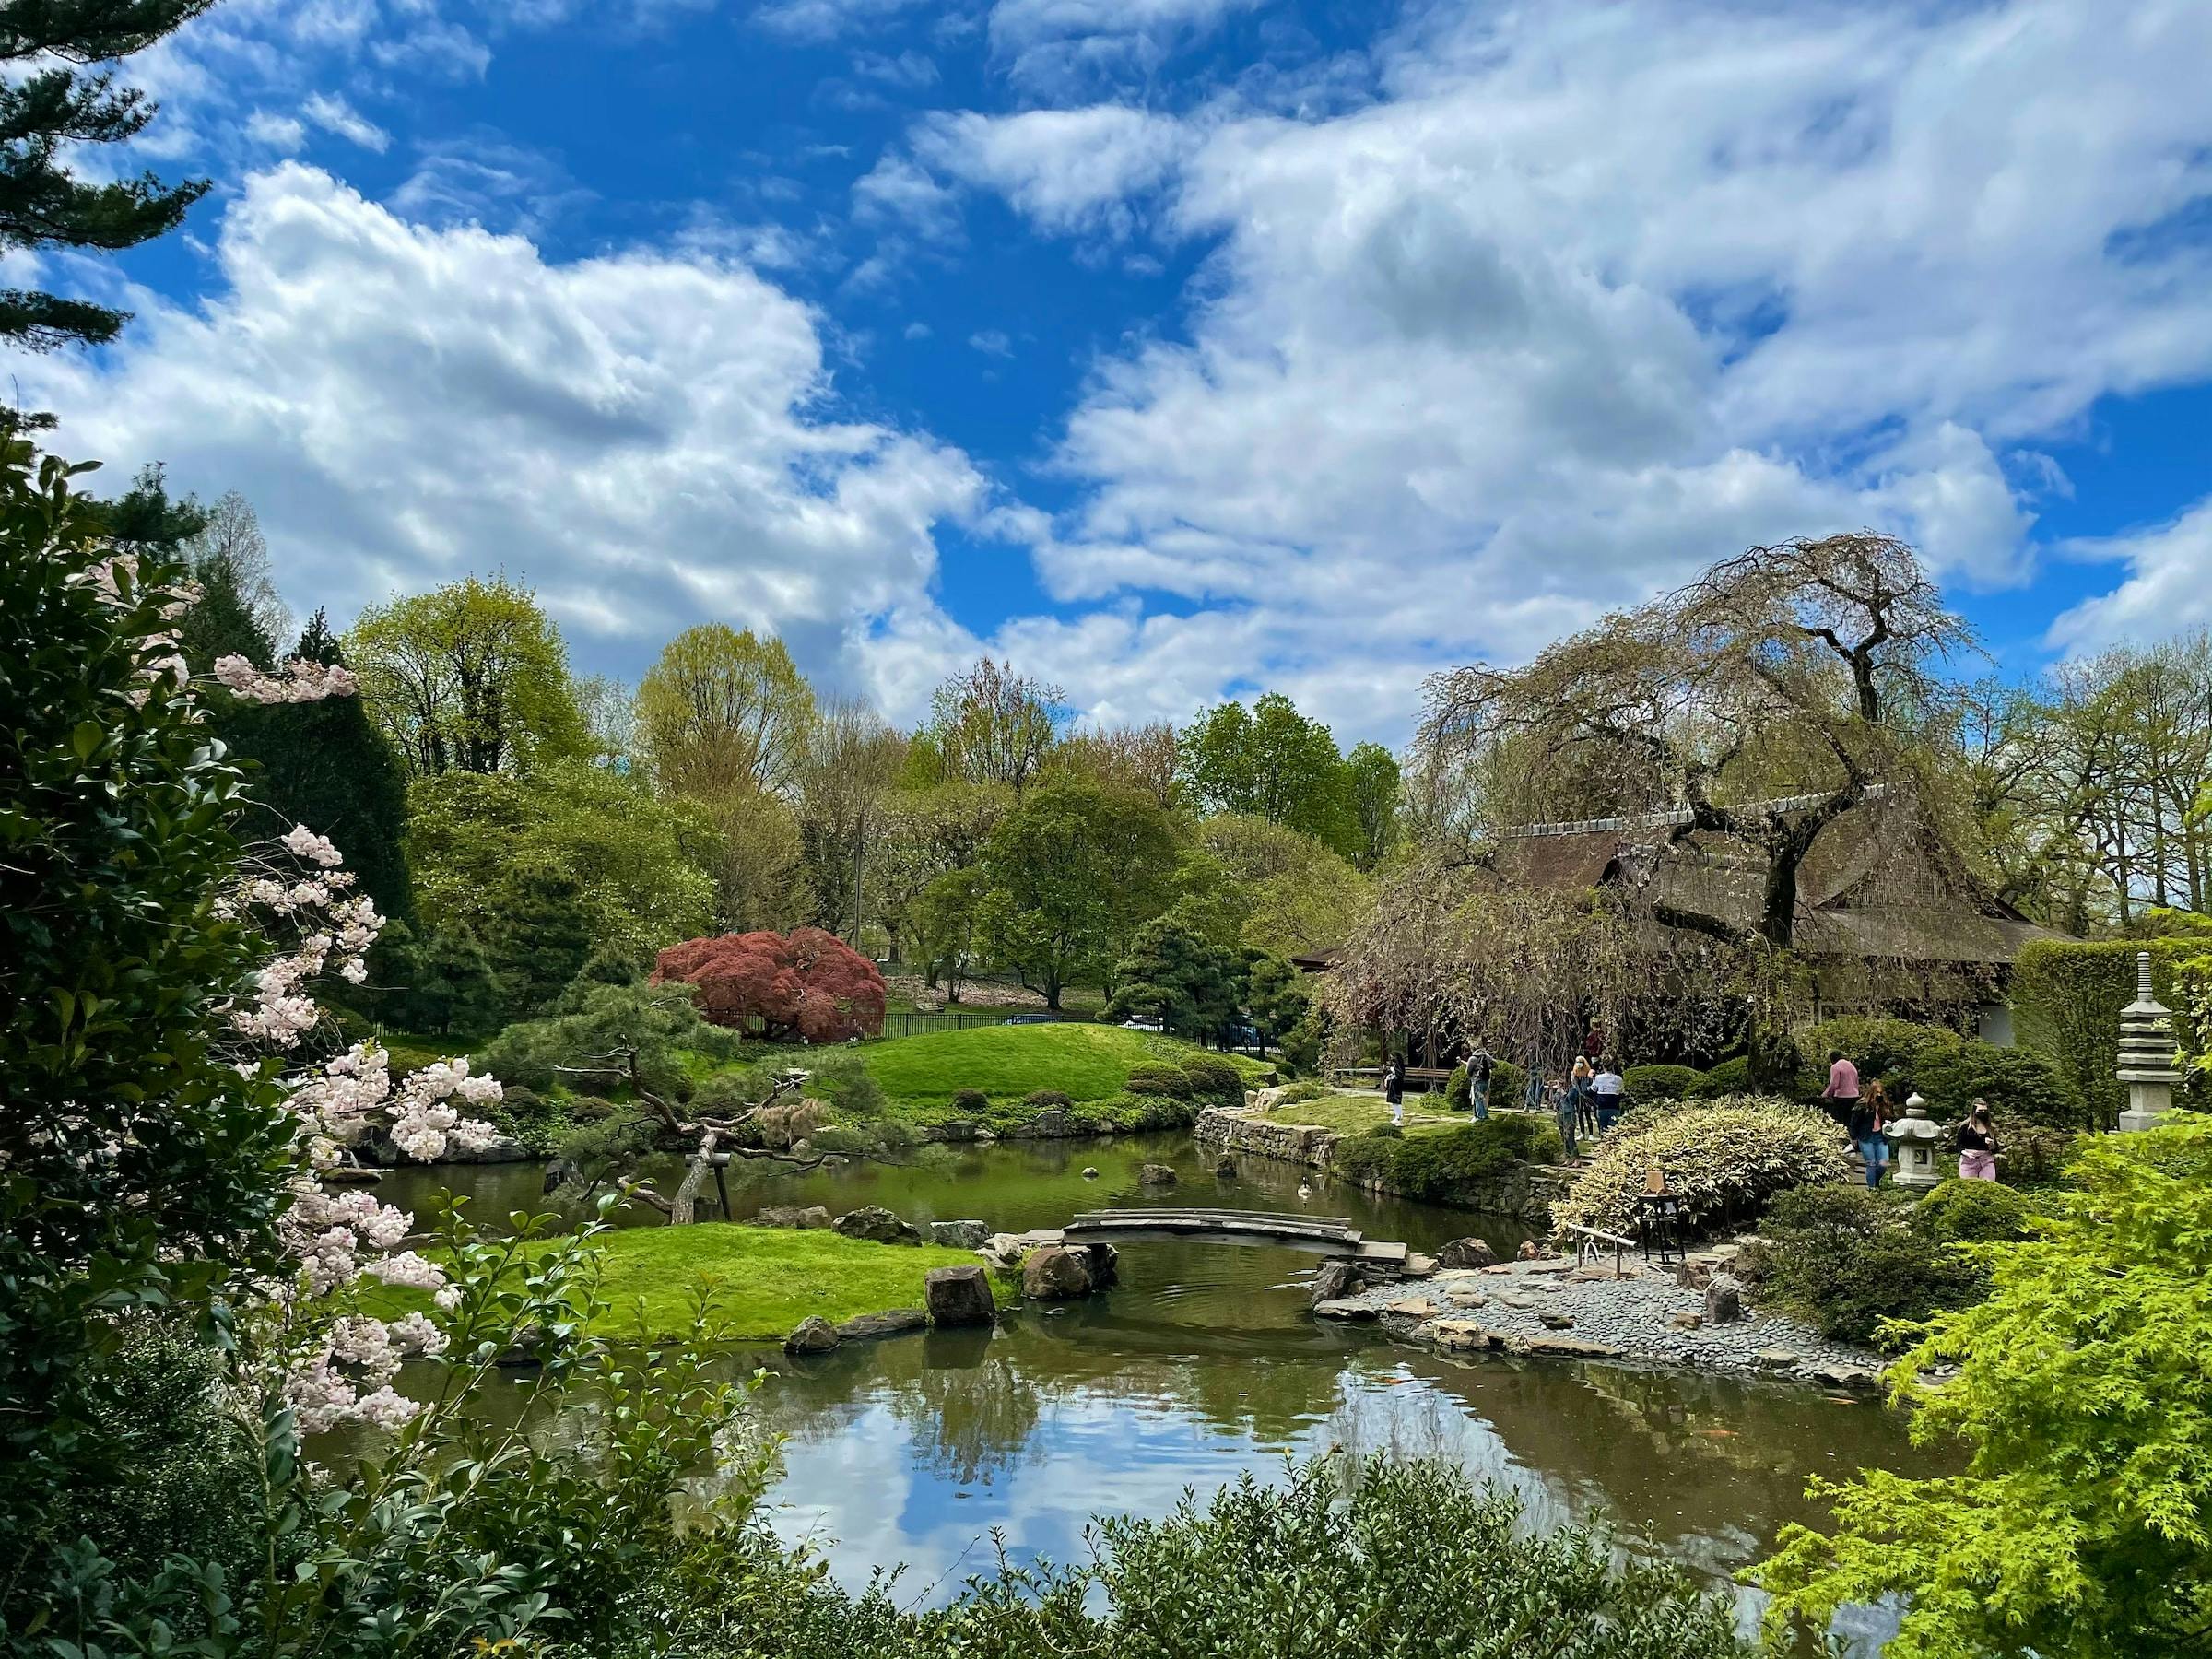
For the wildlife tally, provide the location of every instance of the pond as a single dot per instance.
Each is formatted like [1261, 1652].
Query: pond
[1205, 1361]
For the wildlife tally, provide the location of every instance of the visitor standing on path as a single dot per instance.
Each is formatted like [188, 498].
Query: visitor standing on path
[1842, 1091]
[1578, 1087]
[1866, 1127]
[1565, 1106]
[1393, 1091]
[1478, 1081]
[1608, 1085]
[1978, 1145]
[1878, 1100]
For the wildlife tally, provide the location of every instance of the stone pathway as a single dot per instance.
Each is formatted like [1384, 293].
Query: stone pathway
[1552, 1308]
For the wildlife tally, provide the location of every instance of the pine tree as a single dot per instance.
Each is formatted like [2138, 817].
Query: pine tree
[540, 937]
[45, 109]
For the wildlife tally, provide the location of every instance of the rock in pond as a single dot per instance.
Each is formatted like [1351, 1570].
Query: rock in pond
[1337, 1280]
[790, 1215]
[893, 1323]
[959, 1296]
[1090, 1174]
[1157, 1175]
[812, 1335]
[1467, 1253]
[873, 1221]
[1342, 1309]
[1054, 1273]
[959, 1235]
[1724, 1299]
[1225, 1168]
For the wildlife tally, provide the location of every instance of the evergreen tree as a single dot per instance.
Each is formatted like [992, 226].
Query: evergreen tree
[441, 983]
[540, 937]
[1173, 974]
[50, 101]
[146, 518]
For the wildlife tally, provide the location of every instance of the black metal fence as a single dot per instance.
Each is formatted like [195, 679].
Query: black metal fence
[960, 1019]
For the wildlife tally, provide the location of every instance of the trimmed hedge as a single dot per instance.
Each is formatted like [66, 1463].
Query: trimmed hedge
[1729, 1078]
[1507, 1082]
[1167, 1080]
[1214, 1080]
[1724, 1158]
[1436, 1166]
[1949, 1070]
[2066, 998]
[1647, 1083]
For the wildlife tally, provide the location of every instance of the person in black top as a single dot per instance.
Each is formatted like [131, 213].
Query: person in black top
[1478, 1081]
[1978, 1145]
[1393, 1091]
[1866, 1135]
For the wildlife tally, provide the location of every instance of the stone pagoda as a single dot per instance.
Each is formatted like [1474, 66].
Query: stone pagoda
[2147, 1052]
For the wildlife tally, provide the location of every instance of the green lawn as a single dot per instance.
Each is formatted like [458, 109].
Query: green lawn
[1357, 1113]
[1082, 1062]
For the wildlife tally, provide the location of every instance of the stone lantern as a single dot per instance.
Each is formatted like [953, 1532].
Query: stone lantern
[1912, 1138]
[2147, 1054]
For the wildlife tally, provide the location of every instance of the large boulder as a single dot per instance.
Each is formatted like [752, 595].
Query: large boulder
[812, 1335]
[790, 1215]
[873, 1221]
[959, 1235]
[1157, 1175]
[1055, 1273]
[1003, 1250]
[1337, 1280]
[1467, 1253]
[959, 1296]
[893, 1323]
[1105, 1265]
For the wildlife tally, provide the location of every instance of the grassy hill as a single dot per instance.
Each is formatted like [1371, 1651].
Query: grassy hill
[1082, 1062]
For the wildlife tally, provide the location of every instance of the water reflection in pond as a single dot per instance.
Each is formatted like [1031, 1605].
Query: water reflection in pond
[1203, 1361]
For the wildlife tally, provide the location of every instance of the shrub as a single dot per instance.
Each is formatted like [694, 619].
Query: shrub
[1043, 1099]
[841, 1081]
[1386, 1131]
[1726, 1158]
[1854, 1260]
[1973, 1212]
[1126, 1113]
[808, 984]
[1509, 1084]
[1161, 1079]
[1433, 1166]
[1456, 1088]
[591, 1109]
[2021, 1083]
[1297, 1092]
[1888, 1049]
[1730, 1077]
[1647, 1083]
[727, 1092]
[970, 1101]
[1215, 1080]
[2034, 1154]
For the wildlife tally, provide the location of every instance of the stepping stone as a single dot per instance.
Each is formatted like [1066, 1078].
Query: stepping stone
[1415, 1307]
[1555, 1321]
[1778, 1359]
[1460, 1336]
[1343, 1309]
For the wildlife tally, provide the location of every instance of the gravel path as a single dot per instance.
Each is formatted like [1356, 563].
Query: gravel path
[1552, 1308]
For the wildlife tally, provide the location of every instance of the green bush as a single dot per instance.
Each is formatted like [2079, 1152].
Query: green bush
[1973, 1212]
[1648, 1083]
[970, 1101]
[2034, 1154]
[1386, 1131]
[591, 1109]
[1729, 1078]
[1046, 1100]
[1890, 1050]
[1852, 1259]
[1166, 1080]
[1434, 1166]
[1456, 1098]
[1214, 1080]
[1130, 1113]
[1726, 1159]
[2021, 1083]
[1297, 1092]
[2066, 997]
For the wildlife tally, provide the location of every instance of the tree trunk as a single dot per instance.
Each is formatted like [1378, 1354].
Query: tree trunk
[695, 1177]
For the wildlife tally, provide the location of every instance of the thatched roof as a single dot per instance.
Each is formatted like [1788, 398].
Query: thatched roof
[1874, 883]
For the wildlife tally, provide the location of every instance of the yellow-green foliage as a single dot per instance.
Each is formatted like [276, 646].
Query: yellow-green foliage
[2083, 1394]
[1007, 1062]
[1722, 1157]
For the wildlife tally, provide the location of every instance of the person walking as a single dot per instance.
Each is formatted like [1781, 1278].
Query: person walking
[1609, 1087]
[1878, 1100]
[1479, 1081]
[1393, 1091]
[1565, 1106]
[1842, 1091]
[1864, 1128]
[1978, 1145]
[1585, 1102]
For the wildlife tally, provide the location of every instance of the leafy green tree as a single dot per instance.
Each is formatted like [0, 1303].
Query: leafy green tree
[146, 518]
[992, 726]
[645, 865]
[51, 102]
[1074, 872]
[143, 1172]
[2080, 1527]
[438, 982]
[946, 923]
[1372, 781]
[1298, 895]
[539, 935]
[1270, 761]
[1178, 977]
[472, 676]
[722, 711]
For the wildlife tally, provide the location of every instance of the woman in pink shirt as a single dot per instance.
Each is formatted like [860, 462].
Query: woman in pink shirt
[1842, 1088]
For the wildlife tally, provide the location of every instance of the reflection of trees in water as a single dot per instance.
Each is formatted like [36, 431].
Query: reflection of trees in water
[972, 1423]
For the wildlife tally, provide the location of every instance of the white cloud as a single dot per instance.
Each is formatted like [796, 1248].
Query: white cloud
[909, 70]
[2168, 590]
[648, 439]
[1067, 170]
[1586, 300]
[277, 132]
[334, 114]
[897, 195]
[1065, 44]
[992, 342]
[813, 21]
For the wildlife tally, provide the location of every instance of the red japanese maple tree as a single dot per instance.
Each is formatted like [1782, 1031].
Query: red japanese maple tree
[809, 984]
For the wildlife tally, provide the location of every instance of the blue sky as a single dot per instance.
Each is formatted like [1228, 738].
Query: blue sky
[1176, 348]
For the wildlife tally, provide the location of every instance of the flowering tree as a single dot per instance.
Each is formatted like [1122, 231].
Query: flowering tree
[807, 984]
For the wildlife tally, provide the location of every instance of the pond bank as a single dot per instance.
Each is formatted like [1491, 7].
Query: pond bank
[1649, 1316]
[1525, 1190]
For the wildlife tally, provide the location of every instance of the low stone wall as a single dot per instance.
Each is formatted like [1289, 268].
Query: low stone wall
[1524, 1191]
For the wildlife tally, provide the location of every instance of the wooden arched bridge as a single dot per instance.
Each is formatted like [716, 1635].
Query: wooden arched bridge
[1321, 1235]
